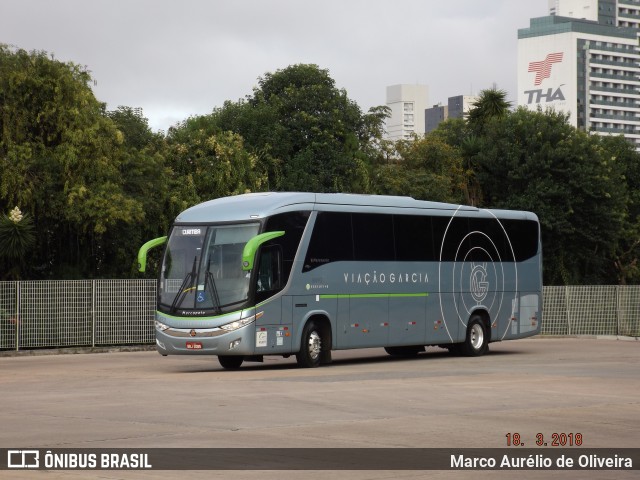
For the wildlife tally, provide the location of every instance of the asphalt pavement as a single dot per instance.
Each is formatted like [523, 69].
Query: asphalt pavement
[553, 387]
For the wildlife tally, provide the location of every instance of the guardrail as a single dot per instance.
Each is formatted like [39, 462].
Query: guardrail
[93, 313]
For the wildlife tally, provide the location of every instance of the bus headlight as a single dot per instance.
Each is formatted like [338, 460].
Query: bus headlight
[230, 327]
[161, 326]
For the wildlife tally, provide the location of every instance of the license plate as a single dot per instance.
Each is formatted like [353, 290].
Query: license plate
[194, 345]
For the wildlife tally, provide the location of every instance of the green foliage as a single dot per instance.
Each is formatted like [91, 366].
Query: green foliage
[626, 257]
[457, 133]
[95, 185]
[62, 159]
[213, 164]
[491, 104]
[536, 161]
[425, 169]
[135, 129]
[305, 131]
[16, 240]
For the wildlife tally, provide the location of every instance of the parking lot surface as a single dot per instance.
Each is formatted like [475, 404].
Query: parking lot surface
[364, 399]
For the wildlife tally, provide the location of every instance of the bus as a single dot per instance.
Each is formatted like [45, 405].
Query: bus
[303, 274]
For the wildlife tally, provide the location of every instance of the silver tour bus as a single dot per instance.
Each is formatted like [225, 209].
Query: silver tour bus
[307, 273]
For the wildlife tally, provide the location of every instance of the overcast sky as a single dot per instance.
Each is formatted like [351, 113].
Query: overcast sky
[177, 58]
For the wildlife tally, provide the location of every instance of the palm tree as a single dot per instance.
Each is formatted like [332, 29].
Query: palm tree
[492, 103]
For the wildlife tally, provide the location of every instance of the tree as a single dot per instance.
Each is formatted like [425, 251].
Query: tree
[135, 128]
[374, 147]
[456, 133]
[61, 160]
[210, 163]
[491, 104]
[306, 132]
[426, 169]
[626, 257]
[536, 161]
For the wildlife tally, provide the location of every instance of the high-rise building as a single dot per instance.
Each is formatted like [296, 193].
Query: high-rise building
[460, 105]
[584, 59]
[585, 9]
[407, 104]
[457, 107]
[434, 115]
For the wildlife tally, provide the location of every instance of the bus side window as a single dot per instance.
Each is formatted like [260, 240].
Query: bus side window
[331, 240]
[269, 280]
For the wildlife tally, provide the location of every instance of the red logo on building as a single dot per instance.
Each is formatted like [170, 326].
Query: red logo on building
[543, 69]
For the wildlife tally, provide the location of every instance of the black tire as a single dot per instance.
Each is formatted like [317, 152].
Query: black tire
[230, 362]
[310, 352]
[476, 342]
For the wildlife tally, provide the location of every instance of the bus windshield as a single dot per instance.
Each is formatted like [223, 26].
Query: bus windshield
[202, 269]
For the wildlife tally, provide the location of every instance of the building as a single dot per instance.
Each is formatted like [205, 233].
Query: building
[407, 104]
[584, 9]
[460, 105]
[457, 107]
[584, 59]
[434, 115]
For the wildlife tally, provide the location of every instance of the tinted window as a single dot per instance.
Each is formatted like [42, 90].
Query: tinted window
[378, 237]
[524, 237]
[293, 224]
[487, 241]
[454, 232]
[413, 238]
[331, 240]
[373, 237]
[521, 235]
[270, 279]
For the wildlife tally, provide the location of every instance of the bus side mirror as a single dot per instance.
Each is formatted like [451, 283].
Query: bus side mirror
[142, 253]
[250, 249]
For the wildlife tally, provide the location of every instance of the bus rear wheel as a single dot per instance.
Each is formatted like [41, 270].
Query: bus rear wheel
[230, 362]
[309, 355]
[477, 340]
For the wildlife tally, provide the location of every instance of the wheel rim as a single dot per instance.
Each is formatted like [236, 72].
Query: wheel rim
[476, 336]
[314, 345]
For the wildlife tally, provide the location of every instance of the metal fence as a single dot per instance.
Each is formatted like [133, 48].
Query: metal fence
[92, 313]
[592, 310]
[86, 313]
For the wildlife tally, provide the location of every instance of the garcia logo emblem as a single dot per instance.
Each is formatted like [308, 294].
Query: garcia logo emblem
[478, 282]
[478, 275]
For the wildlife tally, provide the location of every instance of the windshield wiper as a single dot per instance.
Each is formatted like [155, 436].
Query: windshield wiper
[182, 292]
[208, 280]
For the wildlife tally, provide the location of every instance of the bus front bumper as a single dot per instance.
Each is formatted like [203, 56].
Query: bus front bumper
[205, 341]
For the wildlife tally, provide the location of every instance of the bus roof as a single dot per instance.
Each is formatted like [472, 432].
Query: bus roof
[260, 205]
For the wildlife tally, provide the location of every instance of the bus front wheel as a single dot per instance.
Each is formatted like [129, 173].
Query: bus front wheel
[230, 362]
[310, 346]
[477, 341]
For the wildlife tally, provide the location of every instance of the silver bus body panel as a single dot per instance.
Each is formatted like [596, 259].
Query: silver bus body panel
[370, 304]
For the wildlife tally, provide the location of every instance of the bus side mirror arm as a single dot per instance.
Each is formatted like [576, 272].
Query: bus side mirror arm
[250, 249]
[142, 253]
